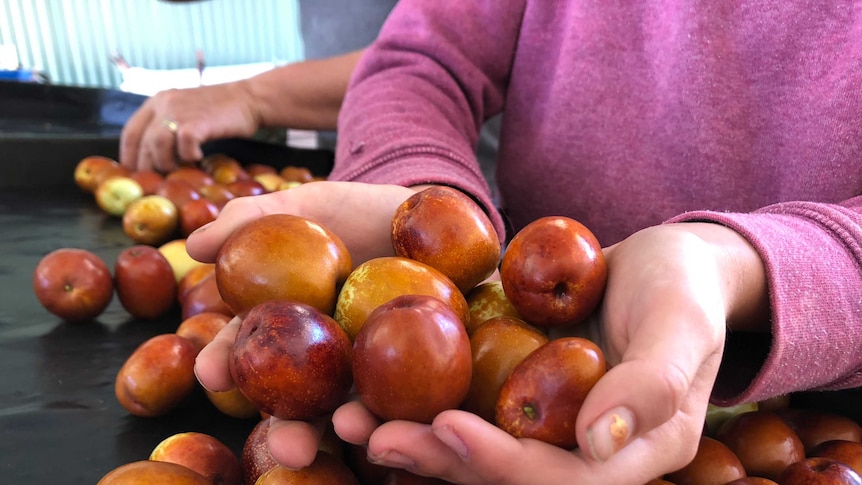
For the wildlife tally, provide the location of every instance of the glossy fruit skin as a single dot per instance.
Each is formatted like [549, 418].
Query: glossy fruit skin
[191, 279]
[379, 280]
[151, 220]
[764, 443]
[488, 300]
[497, 346]
[233, 403]
[245, 187]
[819, 471]
[814, 427]
[554, 272]
[282, 257]
[255, 458]
[176, 254]
[202, 453]
[542, 397]
[411, 359]
[291, 360]
[150, 472]
[217, 194]
[178, 191]
[847, 452]
[202, 328]
[73, 284]
[751, 481]
[205, 298]
[325, 470]
[149, 180]
[292, 173]
[713, 464]
[445, 229]
[157, 376]
[196, 177]
[144, 282]
[196, 213]
[86, 170]
[115, 194]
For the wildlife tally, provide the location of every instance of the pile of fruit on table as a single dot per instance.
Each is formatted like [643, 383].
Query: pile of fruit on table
[429, 329]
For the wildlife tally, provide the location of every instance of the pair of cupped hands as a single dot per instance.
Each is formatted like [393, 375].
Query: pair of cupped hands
[661, 325]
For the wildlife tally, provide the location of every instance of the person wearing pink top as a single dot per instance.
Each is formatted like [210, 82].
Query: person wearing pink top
[715, 149]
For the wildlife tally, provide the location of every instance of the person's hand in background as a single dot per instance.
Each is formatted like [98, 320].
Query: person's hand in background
[170, 127]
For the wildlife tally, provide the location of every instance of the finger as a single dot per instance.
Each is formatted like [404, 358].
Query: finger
[666, 371]
[158, 145]
[211, 366]
[294, 444]
[461, 447]
[354, 423]
[203, 244]
[130, 139]
[189, 137]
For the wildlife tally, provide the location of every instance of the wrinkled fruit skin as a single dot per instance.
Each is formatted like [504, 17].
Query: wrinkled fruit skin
[282, 257]
[554, 272]
[542, 397]
[291, 360]
[412, 359]
[157, 376]
[445, 229]
[73, 284]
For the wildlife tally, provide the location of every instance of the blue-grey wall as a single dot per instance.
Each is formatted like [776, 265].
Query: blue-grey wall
[72, 40]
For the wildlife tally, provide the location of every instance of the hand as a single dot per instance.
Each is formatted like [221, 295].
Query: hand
[366, 234]
[360, 214]
[662, 325]
[171, 126]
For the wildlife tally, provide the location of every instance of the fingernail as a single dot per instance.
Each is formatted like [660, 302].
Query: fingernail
[391, 458]
[448, 436]
[610, 433]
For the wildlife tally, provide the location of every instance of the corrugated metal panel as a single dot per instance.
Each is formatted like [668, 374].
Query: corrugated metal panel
[73, 40]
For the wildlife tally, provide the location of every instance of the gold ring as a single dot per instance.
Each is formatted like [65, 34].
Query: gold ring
[170, 125]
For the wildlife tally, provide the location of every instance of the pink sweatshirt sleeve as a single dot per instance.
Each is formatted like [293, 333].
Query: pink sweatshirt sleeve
[418, 98]
[402, 108]
[813, 258]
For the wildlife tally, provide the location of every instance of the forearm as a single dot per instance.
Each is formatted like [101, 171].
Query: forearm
[303, 95]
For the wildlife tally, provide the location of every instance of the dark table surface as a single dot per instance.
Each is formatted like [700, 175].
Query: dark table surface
[59, 419]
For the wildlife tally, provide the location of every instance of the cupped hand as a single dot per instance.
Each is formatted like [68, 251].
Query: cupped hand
[361, 214]
[171, 126]
[670, 291]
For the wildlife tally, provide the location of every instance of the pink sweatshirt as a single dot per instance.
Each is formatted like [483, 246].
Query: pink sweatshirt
[628, 114]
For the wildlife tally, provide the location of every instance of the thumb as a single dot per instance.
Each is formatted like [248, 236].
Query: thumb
[666, 372]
